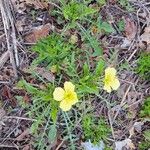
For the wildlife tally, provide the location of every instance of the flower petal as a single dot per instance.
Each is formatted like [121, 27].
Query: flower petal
[74, 98]
[58, 94]
[115, 84]
[68, 86]
[107, 88]
[110, 71]
[65, 106]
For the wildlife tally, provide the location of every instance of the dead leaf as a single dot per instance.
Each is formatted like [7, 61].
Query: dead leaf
[20, 25]
[38, 33]
[133, 101]
[127, 143]
[145, 37]
[6, 92]
[45, 74]
[23, 135]
[20, 5]
[126, 43]
[137, 126]
[130, 29]
[39, 4]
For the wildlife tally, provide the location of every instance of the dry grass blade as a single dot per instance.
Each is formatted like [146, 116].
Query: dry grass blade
[9, 30]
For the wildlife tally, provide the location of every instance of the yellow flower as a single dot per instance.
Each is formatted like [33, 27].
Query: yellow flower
[111, 81]
[66, 96]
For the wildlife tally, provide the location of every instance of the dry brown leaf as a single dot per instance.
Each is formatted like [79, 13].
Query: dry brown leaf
[20, 5]
[127, 143]
[38, 33]
[20, 24]
[130, 29]
[45, 74]
[146, 35]
[133, 101]
[137, 126]
[23, 135]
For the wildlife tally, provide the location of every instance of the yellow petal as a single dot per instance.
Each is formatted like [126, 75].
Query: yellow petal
[68, 86]
[73, 98]
[107, 88]
[110, 71]
[115, 84]
[65, 106]
[58, 94]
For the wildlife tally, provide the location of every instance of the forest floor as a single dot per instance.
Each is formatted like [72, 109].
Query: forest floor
[46, 44]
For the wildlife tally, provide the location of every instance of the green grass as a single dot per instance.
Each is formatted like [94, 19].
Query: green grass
[145, 110]
[145, 144]
[143, 66]
[95, 129]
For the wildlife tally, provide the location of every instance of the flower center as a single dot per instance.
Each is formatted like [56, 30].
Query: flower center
[68, 95]
[108, 79]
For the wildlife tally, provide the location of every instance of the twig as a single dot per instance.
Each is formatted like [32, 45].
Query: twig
[4, 58]
[60, 145]
[7, 28]
[122, 103]
[19, 118]
[13, 34]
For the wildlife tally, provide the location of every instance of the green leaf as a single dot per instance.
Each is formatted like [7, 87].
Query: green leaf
[147, 135]
[86, 70]
[52, 133]
[98, 51]
[27, 86]
[74, 10]
[105, 26]
[100, 68]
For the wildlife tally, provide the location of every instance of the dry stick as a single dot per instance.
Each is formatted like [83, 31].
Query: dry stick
[6, 24]
[13, 34]
[19, 118]
[4, 58]
[122, 103]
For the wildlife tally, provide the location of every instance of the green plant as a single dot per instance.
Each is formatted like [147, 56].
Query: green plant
[94, 129]
[145, 111]
[89, 81]
[126, 4]
[104, 26]
[75, 10]
[44, 111]
[121, 25]
[145, 144]
[143, 66]
[52, 50]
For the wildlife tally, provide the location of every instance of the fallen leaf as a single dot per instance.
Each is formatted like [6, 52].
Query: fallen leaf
[23, 135]
[89, 146]
[137, 126]
[38, 33]
[126, 43]
[20, 5]
[130, 29]
[127, 143]
[133, 101]
[20, 25]
[6, 92]
[145, 37]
